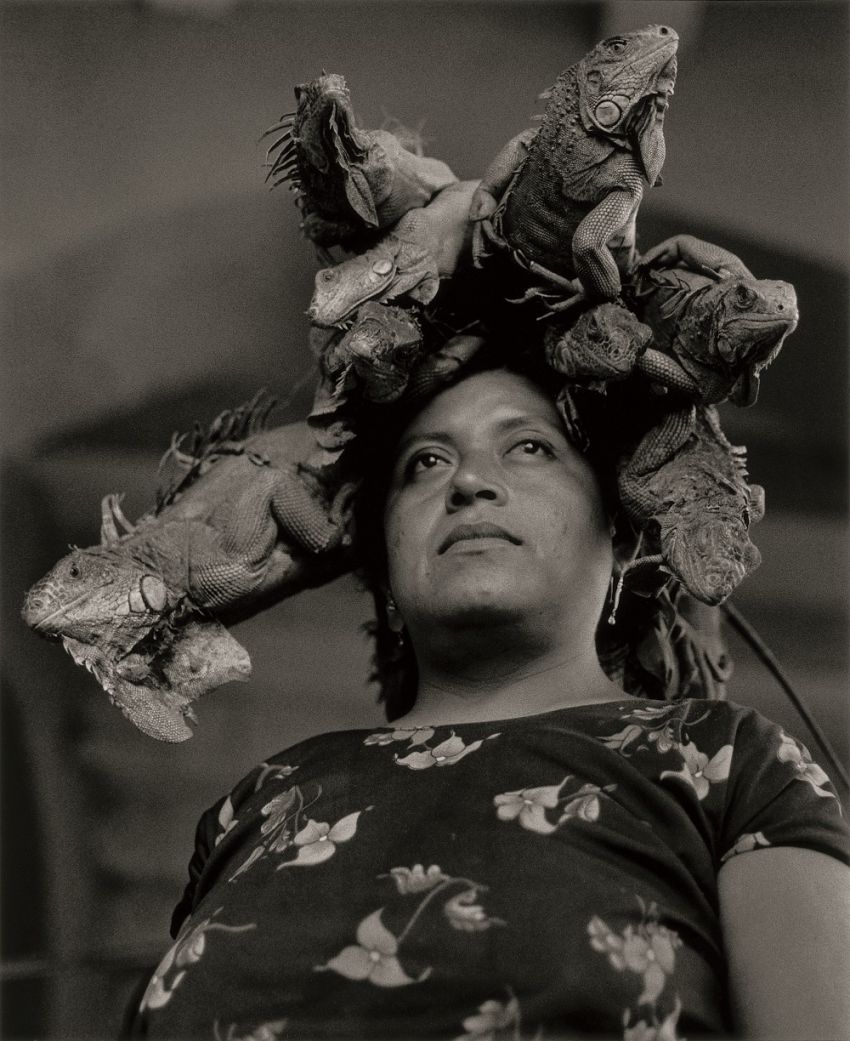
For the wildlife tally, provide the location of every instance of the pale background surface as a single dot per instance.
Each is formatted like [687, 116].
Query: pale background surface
[151, 279]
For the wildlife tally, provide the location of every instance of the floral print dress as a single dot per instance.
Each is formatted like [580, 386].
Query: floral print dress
[550, 876]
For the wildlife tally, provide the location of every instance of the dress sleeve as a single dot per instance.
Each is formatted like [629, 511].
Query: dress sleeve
[212, 827]
[777, 796]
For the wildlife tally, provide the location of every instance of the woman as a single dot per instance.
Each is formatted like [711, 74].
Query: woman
[529, 852]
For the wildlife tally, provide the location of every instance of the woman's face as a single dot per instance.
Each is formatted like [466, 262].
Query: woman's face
[491, 513]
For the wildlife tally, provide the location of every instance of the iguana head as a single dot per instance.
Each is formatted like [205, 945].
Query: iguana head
[97, 596]
[383, 345]
[339, 291]
[603, 344]
[624, 84]
[332, 150]
[736, 327]
[324, 123]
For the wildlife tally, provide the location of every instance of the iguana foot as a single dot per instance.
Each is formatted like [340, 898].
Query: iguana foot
[703, 257]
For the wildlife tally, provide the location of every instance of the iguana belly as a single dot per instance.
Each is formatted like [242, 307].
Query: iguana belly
[540, 222]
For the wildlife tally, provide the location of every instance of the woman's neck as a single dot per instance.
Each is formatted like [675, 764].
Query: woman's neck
[507, 685]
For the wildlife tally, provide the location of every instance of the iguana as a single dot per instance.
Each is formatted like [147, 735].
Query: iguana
[348, 180]
[685, 487]
[604, 343]
[563, 198]
[715, 327]
[245, 525]
[705, 328]
[377, 353]
[427, 244]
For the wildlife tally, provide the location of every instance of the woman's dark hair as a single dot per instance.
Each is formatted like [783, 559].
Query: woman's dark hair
[651, 648]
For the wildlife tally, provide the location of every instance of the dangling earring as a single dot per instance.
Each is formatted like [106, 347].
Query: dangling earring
[394, 619]
[615, 591]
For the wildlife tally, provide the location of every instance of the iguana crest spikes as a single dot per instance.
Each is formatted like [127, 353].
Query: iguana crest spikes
[248, 523]
[350, 181]
[196, 451]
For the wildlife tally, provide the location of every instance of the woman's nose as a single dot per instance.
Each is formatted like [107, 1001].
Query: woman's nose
[474, 482]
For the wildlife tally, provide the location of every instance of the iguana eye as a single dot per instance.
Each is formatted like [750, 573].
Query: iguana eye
[616, 46]
[607, 113]
[327, 274]
[74, 571]
[744, 297]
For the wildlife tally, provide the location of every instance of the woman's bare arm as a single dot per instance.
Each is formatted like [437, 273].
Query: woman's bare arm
[785, 914]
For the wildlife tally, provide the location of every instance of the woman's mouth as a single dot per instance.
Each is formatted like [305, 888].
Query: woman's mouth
[483, 530]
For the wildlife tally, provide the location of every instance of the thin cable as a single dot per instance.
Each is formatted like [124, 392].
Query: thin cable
[768, 659]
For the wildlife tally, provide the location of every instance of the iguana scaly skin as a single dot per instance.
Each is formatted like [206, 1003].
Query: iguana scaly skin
[686, 480]
[715, 327]
[247, 524]
[563, 199]
[377, 353]
[603, 344]
[155, 688]
[348, 180]
[426, 245]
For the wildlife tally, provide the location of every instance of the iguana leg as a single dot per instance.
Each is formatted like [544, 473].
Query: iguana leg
[593, 261]
[239, 562]
[703, 257]
[488, 194]
[303, 518]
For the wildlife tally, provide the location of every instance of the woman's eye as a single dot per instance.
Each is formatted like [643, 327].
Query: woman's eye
[421, 462]
[534, 446]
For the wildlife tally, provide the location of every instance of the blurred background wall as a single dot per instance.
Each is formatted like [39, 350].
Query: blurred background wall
[151, 279]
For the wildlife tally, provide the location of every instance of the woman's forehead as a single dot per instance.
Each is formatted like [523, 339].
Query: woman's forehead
[491, 399]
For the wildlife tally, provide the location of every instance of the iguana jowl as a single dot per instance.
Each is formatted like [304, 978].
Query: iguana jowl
[247, 524]
[563, 198]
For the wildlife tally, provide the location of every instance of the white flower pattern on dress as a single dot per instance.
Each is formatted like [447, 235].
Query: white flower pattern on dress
[648, 950]
[417, 879]
[186, 950]
[791, 751]
[317, 840]
[745, 843]
[654, 1031]
[528, 806]
[285, 830]
[268, 1031]
[374, 958]
[699, 771]
[420, 754]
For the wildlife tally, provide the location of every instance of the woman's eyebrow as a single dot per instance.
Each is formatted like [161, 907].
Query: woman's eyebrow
[529, 419]
[440, 436]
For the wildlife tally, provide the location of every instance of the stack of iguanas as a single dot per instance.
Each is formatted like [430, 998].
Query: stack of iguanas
[255, 514]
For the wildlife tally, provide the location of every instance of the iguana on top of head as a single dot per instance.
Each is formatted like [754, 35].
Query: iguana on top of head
[427, 244]
[247, 524]
[715, 326]
[349, 180]
[563, 199]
